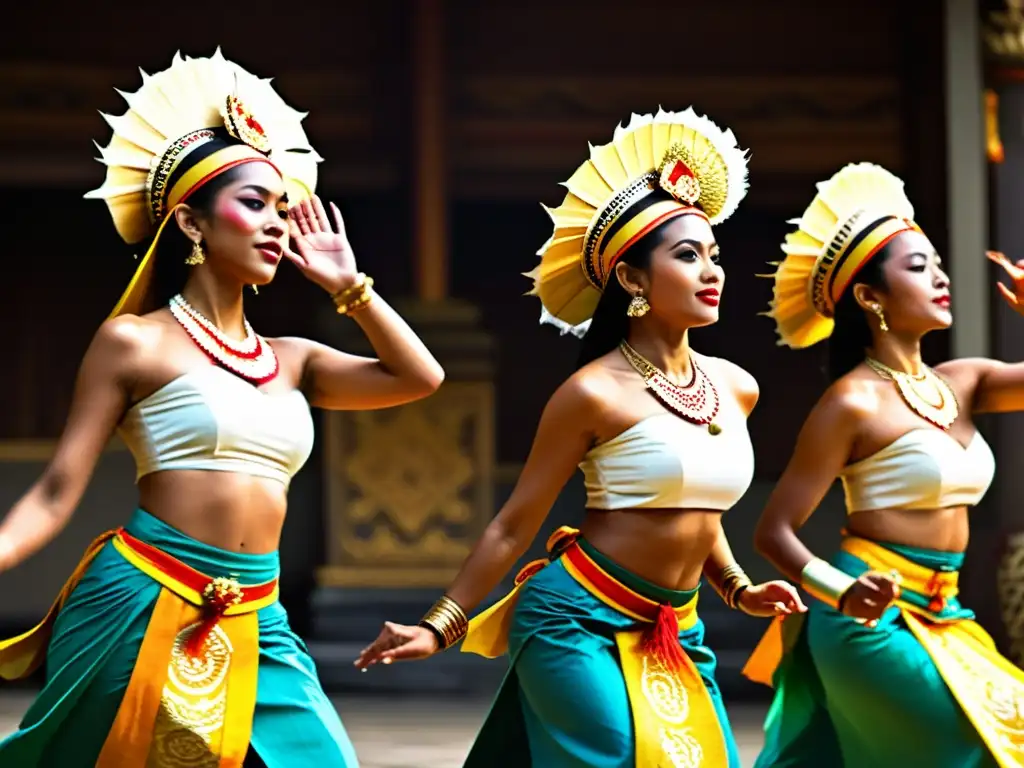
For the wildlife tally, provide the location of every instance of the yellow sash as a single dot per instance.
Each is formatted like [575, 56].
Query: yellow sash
[989, 689]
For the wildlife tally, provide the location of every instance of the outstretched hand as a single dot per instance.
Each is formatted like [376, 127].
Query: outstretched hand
[320, 247]
[398, 642]
[1014, 297]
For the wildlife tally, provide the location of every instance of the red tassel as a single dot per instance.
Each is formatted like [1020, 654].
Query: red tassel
[938, 601]
[662, 639]
[196, 642]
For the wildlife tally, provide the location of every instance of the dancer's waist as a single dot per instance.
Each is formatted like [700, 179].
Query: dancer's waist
[244, 567]
[929, 579]
[220, 595]
[614, 585]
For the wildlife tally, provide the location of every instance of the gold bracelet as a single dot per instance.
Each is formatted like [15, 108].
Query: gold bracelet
[825, 582]
[734, 581]
[355, 297]
[447, 620]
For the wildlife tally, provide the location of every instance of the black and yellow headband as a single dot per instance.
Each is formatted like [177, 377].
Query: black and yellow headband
[612, 203]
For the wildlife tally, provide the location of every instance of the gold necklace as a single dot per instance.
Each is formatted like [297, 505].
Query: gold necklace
[942, 413]
[697, 402]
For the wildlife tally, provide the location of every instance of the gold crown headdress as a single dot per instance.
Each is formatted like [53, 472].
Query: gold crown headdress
[684, 154]
[184, 126]
[854, 215]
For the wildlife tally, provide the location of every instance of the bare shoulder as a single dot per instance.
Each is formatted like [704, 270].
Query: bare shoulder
[587, 390]
[740, 381]
[128, 336]
[855, 396]
[966, 371]
[582, 401]
[294, 348]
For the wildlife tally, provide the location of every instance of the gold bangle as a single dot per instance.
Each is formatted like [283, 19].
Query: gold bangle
[356, 305]
[734, 581]
[355, 297]
[825, 582]
[447, 620]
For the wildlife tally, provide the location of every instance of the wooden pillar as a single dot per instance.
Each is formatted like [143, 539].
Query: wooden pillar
[409, 490]
[430, 195]
[967, 180]
[1004, 525]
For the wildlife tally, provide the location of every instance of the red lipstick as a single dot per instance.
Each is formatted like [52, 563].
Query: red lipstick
[270, 251]
[709, 296]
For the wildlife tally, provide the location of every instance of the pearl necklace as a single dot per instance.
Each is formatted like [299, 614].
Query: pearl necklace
[696, 402]
[942, 413]
[247, 347]
[252, 358]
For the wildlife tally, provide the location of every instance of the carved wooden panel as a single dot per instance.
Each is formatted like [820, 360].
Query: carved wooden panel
[409, 489]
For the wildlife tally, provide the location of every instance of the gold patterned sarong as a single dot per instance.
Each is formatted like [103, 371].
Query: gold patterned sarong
[192, 692]
[988, 688]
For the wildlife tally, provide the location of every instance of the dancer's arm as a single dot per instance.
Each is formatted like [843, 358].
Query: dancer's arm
[404, 369]
[102, 392]
[728, 579]
[563, 437]
[822, 450]
[992, 386]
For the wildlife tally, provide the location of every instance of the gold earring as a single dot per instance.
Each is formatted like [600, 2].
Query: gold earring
[638, 307]
[197, 256]
[882, 325]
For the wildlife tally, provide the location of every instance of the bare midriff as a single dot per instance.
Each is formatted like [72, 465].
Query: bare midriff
[666, 547]
[945, 530]
[228, 510]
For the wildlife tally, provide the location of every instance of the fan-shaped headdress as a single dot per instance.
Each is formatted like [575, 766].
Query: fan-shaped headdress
[611, 204]
[183, 127]
[853, 216]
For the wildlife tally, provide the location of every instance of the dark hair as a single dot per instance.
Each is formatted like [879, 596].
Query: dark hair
[609, 325]
[852, 335]
[170, 273]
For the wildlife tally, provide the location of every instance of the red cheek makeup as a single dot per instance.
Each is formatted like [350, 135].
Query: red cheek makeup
[237, 216]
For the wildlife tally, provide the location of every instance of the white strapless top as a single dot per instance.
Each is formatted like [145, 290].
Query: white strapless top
[924, 468]
[211, 419]
[664, 462]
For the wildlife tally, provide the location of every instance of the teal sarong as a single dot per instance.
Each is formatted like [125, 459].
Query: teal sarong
[96, 640]
[851, 696]
[564, 702]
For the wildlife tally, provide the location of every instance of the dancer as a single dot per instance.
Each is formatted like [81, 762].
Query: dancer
[887, 668]
[168, 645]
[608, 662]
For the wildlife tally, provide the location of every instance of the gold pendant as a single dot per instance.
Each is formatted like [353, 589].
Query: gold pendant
[714, 429]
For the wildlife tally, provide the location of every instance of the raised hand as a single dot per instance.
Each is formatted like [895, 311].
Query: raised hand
[1014, 297]
[772, 598]
[321, 248]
